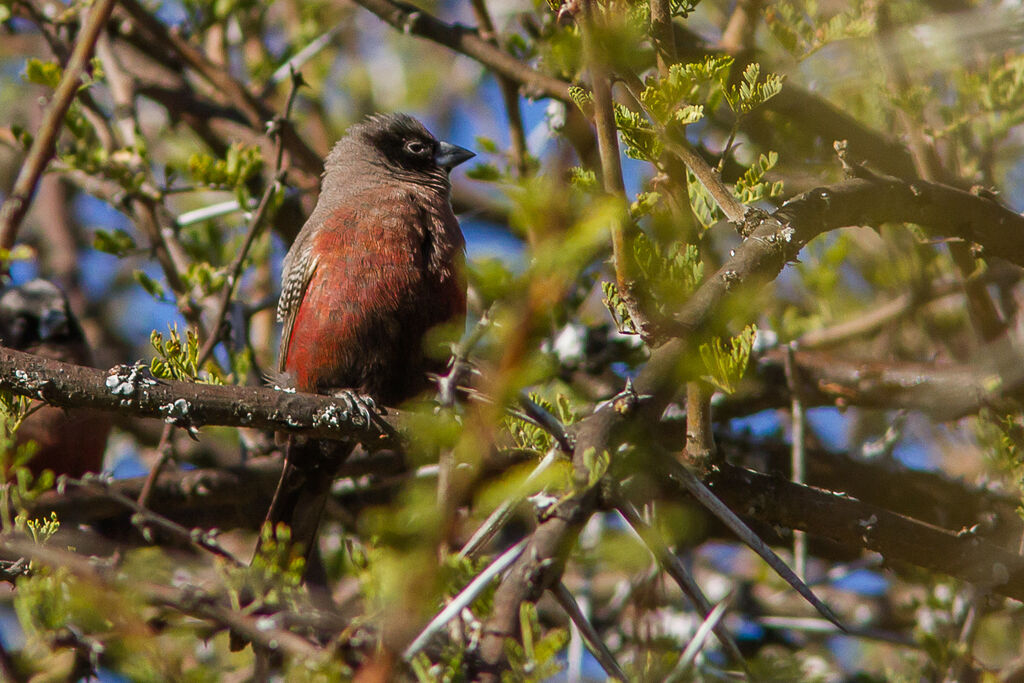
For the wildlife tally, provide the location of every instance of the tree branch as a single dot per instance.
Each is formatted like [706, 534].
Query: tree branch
[16, 205]
[853, 523]
[133, 391]
[467, 41]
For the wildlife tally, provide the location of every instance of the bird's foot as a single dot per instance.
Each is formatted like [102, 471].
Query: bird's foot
[360, 407]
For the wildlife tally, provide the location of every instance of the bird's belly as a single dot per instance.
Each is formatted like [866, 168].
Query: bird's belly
[369, 338]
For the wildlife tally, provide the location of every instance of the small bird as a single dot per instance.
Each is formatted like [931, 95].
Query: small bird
[36, 318]
[378, 263]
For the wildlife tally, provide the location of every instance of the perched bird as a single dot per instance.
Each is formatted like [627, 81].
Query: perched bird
[378, 263]
[35, 317]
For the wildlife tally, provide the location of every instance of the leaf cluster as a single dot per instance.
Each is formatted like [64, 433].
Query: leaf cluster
[803, 28]
[726, 363]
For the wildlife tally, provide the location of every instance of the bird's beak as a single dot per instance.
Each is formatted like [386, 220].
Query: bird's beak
[449, 156]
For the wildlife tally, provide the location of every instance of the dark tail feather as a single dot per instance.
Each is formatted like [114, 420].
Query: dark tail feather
[302, 491]
[309, 470]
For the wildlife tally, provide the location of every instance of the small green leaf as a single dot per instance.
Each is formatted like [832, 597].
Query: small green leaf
[119, 243]
[484, 172]
[703, 205]
[486, 145]
[750, 94]
[583, 179]
[43, 73]
[582, 98]
[727, 364]
[617, 308]
[155, 289]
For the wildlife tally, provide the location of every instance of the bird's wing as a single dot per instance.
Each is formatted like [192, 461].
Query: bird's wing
[297, 274]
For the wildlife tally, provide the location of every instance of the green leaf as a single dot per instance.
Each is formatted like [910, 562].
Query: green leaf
[750, 94]
[597, 464]
[687, 90]
[703, 205]
[751, 186]
[727, 364]
[486, 145]
[583, 179]
[239, 164]
[618, 309]
[43, 73]
[682, 8]
[640, 140]
[119, 243]
[484, 172]
[803, 30]
[155, 289]
[582, 98]
[691, 113]
[645, 203]
[671, 272]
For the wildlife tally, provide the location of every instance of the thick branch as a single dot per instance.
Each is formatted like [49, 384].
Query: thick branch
[944, 392]
[850, 522]
[776, 239]
[127, 391]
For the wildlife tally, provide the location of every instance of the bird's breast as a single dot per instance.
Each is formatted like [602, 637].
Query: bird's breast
[386, 273]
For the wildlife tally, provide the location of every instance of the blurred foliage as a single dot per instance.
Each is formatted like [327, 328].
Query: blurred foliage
[160, 169]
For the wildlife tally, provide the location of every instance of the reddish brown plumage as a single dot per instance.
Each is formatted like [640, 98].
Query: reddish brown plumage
[374, 293]
[377, 265]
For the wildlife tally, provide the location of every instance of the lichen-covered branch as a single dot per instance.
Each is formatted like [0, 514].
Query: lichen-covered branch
[132, 390]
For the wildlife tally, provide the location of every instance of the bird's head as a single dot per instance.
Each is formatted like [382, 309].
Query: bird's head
[402, 147]
[35, 312]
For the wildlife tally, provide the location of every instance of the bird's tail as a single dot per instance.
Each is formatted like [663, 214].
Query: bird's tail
[309, 470]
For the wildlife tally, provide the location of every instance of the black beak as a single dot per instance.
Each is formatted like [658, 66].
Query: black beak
[449, 156]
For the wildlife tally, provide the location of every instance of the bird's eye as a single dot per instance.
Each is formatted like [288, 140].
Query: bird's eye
[416, 147]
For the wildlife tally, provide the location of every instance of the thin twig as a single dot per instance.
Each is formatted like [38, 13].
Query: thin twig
[449, 384]
[798, 457]
[509, 94]
[671, 564]
[662, 35]
[201, 540]
[300, 58]
[734, 211]
[255, 225]
[709, 500]
[682, 668]
[164, 452]
[590, 635]
[465, 598]
[548, 422]
[187, 600]
[700, 439]
[20, 197]
[412, 20]
[255, 110]
[497, 519]
[611, 166]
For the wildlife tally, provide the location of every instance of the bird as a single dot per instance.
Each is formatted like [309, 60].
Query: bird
[35, 317]
[378, 263]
